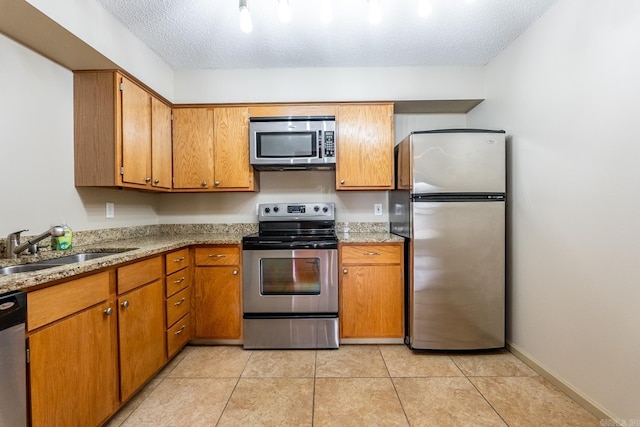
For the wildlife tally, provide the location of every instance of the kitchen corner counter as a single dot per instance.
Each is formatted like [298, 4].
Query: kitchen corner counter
[369, 238]
[127, 250]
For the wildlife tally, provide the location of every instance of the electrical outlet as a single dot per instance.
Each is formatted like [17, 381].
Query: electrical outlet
[110, 210]
[377, 209]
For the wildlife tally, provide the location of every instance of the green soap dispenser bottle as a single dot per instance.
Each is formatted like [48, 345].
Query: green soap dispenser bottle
[63, 243]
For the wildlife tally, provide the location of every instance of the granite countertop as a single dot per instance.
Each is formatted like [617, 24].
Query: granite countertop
[130, 249]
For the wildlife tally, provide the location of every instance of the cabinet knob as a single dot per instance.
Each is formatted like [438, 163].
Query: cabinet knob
[217, 182]
[345, 271]
[235, 272]
[203, 183]
[156, 181]
[108, 311]
[147, 179]
[125, 304]
[342, 181]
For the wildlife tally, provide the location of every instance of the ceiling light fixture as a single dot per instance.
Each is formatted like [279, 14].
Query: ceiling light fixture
[284, 11]
[245, 17]
[375, 14]
[424, 8]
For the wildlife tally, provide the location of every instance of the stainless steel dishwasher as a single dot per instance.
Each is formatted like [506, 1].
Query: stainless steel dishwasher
[13, 369]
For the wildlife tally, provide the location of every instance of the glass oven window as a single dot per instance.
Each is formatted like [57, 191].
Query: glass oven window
[286, 144]
[290, 276]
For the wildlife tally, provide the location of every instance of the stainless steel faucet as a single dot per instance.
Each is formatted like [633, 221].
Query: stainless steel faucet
[13, 247]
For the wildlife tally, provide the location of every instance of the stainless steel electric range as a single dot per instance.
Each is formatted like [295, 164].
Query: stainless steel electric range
[290, 285]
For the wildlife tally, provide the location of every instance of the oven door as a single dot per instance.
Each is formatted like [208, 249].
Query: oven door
[285, 281]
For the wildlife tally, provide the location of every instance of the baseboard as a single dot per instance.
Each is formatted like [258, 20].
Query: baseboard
[564, 386]
[371, 340]
[208, 341]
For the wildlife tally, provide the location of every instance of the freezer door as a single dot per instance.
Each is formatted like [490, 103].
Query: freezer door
[457, 282]
[463, 162]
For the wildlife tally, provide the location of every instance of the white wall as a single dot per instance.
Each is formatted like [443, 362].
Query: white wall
[36, 118]
[88, 20]
[567, 93]
[329, 84]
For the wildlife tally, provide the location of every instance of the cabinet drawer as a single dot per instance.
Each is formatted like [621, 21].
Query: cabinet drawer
[178, 305]
[371, 254]
[177, 281]
[218, 255]
[177, 260]
[138, 274]
[53, 303]
[178, 335]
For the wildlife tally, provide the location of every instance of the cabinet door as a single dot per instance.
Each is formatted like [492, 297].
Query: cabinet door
[142, 336]
[371, 301]
[218, 311]
[160, 144]
[231, 149]
[136, 133]
[364, 147]
[73, 370]
[192, 148]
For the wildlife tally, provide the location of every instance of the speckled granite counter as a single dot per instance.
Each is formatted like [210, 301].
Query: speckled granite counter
[131, 249]
[138, 243]
[369, 238]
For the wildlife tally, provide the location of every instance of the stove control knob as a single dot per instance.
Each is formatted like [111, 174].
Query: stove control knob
[316, 208]
[267, 210]
[276, 209]
[325, 209]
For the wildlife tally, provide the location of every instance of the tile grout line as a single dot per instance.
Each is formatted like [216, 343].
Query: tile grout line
[234, 388]
[478, 390]
[393, 384]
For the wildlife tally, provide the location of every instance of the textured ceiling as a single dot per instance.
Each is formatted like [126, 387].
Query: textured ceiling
[200, 34]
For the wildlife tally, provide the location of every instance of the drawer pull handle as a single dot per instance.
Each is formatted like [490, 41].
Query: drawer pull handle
[179, 259]
[179, 302]
[217, 255]
[371, 253]
[179, 331]
[125, 304]
[180, 280]
[108, 311]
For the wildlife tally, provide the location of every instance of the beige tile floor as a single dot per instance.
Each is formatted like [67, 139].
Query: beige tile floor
[356, 385]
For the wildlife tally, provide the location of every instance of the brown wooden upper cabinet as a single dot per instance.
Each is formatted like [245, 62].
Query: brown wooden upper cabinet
[122, 133]
[211, 149]
[364, 147]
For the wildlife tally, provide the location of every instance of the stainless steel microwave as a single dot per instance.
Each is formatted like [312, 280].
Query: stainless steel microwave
[293, 143]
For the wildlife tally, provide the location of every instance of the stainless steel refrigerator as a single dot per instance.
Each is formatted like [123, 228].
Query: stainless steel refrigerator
[449, 204]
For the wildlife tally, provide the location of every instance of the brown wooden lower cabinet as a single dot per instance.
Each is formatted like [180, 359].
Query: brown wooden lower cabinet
[141, 333]
[217, 293]
[371, 291]
[73, 373]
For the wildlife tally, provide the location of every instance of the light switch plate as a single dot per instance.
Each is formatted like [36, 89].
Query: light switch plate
[377, 209]
[110, 210]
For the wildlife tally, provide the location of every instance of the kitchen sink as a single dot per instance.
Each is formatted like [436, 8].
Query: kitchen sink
[25, 268]
[56, 262]
[70, 259]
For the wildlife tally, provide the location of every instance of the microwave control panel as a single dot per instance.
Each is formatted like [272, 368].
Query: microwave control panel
[329, 144]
